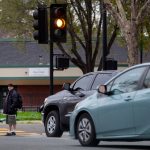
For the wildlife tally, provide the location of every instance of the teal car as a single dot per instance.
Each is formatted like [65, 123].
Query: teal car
[117, 111]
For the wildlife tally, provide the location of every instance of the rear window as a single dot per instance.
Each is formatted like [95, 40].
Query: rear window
[84, 83]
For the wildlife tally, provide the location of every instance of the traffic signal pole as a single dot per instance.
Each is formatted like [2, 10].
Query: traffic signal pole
[58, 30]
[51, 69]
[104, 39]
[57, 33]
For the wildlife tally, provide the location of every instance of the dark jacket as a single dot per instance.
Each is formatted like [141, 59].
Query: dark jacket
[10, 102]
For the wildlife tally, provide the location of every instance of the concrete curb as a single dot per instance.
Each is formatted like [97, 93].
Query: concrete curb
[25, 122]
[30, 122]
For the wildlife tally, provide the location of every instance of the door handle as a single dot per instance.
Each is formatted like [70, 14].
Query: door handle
[128, 98]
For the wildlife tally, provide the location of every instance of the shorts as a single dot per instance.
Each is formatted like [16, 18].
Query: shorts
[11, 119]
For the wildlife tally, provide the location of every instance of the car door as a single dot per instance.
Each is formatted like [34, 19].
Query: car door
[116, 110]
[142, 107]
[86, 86]
[79, 91]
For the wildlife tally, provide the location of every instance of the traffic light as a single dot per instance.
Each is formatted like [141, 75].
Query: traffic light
[40, 24]
[58, 22]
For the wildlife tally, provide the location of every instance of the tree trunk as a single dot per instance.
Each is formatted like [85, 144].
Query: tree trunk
[132, 46]
[131, 37]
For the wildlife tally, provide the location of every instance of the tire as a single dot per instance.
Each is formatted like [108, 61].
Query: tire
[52, 125]
[86, 131]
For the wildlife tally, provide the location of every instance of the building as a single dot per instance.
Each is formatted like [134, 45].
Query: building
[27, 67]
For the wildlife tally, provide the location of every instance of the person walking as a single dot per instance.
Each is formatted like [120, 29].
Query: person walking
[10, 109]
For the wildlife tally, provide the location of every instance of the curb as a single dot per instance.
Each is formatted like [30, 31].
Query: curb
[25, 122]
[29, 122]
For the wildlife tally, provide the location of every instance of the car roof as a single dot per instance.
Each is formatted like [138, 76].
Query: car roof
[112, 72]
[132, 67]
[103, 71]
[117, 71]
[140, 65]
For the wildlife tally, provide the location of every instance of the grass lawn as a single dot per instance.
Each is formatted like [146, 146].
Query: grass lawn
[22, 116]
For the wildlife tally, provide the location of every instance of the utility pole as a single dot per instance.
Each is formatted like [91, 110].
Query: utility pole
[51, 69]
[141, 44]
[104, 39]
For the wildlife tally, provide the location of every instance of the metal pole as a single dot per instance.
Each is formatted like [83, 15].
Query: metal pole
[51, 69]
[141, 45]
[104, 15]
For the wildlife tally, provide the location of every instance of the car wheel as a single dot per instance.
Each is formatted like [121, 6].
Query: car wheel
[86, 131]
[52, 125]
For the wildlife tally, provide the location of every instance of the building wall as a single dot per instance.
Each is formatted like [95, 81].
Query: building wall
[34, 82]
[34, 95]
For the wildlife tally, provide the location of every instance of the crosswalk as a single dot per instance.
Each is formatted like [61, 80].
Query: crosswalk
[3, 132]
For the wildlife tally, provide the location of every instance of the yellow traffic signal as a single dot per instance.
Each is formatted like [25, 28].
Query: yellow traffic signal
[58, 22]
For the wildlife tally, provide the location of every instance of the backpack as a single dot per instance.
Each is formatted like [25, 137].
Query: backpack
[19, 101]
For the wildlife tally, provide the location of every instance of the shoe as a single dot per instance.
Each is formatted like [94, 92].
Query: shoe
[13, 133]
[8, 134]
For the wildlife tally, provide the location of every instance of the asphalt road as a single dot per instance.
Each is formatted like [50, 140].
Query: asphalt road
[64, 143]
[32, 137]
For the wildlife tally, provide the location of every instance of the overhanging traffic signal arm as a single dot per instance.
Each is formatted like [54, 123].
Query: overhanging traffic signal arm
[40, 25]
[58, 22]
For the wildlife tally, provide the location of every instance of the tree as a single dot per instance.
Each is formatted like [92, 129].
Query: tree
[82, 24]
[84, 28]
[129, 15]
[16, 20]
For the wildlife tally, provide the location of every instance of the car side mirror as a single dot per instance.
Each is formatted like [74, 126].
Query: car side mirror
[66, 86]
[80, 94]
[102, 89]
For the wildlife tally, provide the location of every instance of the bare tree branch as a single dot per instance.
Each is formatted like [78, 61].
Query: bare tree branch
[82, 20]
[73, 33]
[97, 40]
[113, 37]
[113, 11]
[142, 10]
[121, 10]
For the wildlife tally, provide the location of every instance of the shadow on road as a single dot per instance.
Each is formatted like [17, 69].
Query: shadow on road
[136, 147]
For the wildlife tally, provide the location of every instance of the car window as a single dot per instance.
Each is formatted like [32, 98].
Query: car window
[146, 83]
[100, 79]
[84, 82]
[127, 82]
